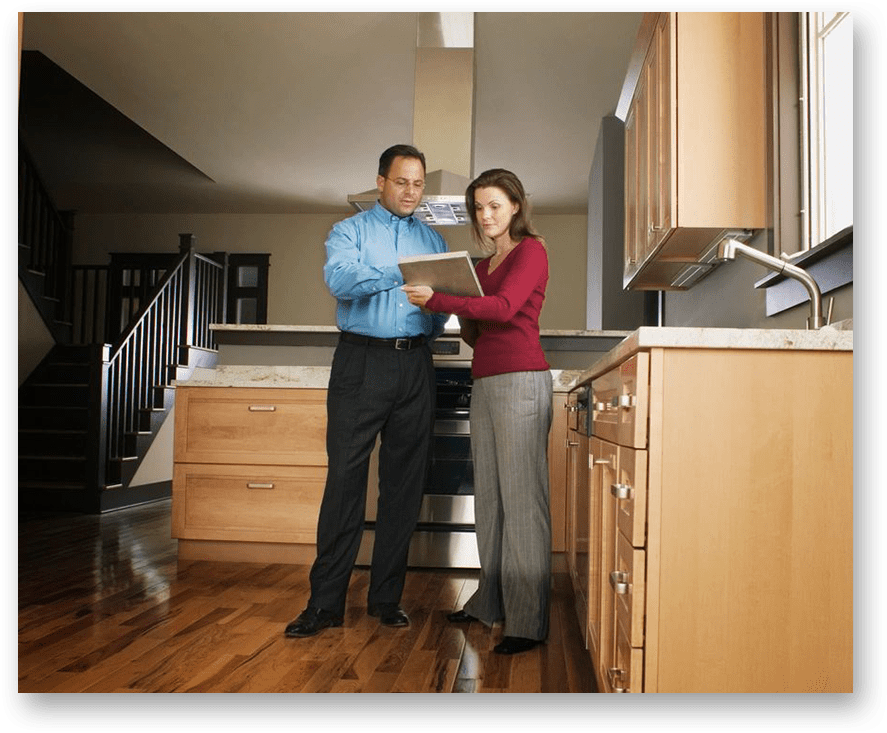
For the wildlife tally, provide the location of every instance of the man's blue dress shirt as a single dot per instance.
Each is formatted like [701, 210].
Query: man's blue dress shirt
[362, 274]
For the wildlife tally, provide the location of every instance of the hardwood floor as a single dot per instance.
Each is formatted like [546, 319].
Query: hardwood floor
[105, 606]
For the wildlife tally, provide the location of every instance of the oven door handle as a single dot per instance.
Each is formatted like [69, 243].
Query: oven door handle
[452, 427]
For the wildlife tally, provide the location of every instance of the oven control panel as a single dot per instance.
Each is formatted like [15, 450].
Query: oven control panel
[447, 348]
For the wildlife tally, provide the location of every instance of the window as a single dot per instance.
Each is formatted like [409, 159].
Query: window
[810, 176]
[826, 62]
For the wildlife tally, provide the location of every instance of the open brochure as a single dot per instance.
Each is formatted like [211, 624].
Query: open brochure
[448, 272]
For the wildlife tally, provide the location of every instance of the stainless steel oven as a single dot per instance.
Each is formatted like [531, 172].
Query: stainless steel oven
[444, 536]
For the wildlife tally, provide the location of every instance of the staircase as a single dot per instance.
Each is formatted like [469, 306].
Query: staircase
[124, 332]
[63, 433]
[53, 433]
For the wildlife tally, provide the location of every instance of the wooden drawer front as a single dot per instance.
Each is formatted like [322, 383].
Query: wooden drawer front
[619, 403]
[251, 426]
[602, 541]
[247, 503]
[630, 492]
[627, 672]
[628, 583]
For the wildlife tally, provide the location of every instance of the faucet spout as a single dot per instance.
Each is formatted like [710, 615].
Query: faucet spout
[729, 248]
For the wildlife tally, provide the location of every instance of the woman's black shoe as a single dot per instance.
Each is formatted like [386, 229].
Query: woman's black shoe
[515, 645]
[460, 617]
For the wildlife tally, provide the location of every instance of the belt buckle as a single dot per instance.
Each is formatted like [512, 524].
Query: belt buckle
[402, 344]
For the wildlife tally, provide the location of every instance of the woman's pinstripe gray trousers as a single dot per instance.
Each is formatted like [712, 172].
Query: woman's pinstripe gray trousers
[510, 421]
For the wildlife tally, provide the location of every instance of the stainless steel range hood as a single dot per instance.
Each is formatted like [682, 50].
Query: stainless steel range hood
[442, 116]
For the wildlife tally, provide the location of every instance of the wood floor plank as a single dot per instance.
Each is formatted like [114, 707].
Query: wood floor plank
[105, 605]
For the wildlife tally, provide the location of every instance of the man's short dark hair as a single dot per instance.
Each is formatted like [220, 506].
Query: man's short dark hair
[407, 151]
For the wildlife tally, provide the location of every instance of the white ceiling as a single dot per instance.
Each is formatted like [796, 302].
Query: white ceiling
[288, 112]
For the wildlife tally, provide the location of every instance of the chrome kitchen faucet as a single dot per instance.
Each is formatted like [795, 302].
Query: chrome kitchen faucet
[729, 248]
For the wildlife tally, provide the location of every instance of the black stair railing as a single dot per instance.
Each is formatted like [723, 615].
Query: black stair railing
[87, 307]
[45, 232]
[188, 298]
[41, 227]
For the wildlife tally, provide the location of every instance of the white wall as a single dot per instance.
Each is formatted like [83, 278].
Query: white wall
[34, 339]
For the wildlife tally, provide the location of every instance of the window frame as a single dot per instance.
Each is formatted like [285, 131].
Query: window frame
[829, 259]
[815, 27]
[796, 147]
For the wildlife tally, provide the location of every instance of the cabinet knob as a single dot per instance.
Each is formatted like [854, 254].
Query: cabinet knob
[619, 583]
[623, 400]
[255, 485]
[621, 491]
[262, 408]
[615, 673]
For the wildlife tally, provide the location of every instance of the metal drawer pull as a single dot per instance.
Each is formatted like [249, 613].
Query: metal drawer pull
[619, 582]
[601, 461]
[571, 442]
[624, 400]
[621, 491]
[251, 485]
[600, 406]
[262, 408]
[613, 673]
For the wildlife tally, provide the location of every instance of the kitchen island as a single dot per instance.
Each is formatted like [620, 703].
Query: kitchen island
[250, 462]
[249, 448]
[710, 511]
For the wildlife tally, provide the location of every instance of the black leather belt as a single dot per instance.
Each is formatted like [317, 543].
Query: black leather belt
[404, 344]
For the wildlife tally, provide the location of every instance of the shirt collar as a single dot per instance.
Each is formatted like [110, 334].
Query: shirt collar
[386, 217]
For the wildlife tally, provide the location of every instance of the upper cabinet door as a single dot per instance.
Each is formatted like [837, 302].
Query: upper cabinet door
[695, 144]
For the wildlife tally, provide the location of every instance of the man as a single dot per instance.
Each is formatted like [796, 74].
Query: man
[381, 384]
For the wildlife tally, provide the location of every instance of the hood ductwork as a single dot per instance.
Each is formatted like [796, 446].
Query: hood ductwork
[442, 116]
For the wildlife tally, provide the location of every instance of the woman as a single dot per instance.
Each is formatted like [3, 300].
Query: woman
[510, 412]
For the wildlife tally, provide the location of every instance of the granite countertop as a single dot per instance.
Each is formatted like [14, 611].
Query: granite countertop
[294, 329]
[301, 377]
[838, 337]
[281, 377]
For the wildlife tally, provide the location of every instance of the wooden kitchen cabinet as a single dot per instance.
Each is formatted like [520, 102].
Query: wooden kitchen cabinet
[695, 145]
[721, 548]
[249, 472]
[557, 473]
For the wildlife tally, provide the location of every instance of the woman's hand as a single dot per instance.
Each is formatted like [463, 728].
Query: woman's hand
[418, 294]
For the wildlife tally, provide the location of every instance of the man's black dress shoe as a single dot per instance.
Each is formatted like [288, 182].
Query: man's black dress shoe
[515, 645]
[460, 617]
[389, 614]
[312, 621]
